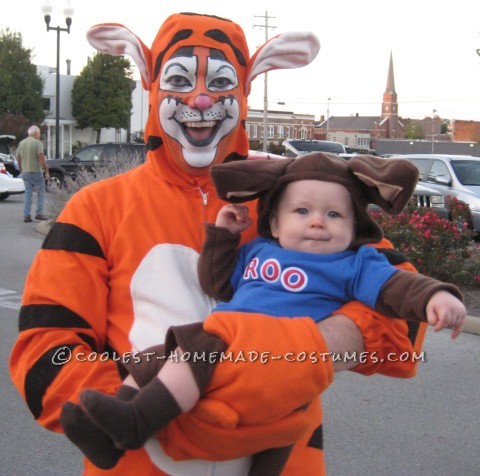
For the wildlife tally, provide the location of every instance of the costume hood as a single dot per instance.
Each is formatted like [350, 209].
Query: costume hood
[289, 50]
[388, 183]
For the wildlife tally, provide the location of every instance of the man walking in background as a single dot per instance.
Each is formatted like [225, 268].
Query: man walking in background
[33, 166]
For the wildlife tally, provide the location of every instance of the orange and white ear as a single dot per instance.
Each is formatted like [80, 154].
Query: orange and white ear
[285, 51]
[116, 39]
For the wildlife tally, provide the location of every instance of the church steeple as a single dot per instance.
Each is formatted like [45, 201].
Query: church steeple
[390, 104]
[390, 78]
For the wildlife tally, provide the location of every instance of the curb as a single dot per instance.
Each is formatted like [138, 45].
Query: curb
[43, 227]
[472, 324]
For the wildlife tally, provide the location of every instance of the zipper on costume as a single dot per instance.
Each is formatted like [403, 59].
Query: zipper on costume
[204, 196]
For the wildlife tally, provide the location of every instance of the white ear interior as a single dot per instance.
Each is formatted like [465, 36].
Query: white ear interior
[285, 51]
[118, 40]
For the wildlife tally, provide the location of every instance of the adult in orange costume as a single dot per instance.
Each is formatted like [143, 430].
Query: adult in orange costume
[119, 267]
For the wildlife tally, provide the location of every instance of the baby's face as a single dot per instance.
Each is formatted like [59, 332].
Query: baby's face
[314, 216]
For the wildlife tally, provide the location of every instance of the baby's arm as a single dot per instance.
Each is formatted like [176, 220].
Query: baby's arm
[416, 297]
[219, 252]
[234, 218]
[444, 310]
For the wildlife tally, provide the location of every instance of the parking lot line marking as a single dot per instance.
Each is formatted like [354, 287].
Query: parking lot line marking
[10, 299]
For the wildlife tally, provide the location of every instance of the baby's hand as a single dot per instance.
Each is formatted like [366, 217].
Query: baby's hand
[444, 310]
[234, 218]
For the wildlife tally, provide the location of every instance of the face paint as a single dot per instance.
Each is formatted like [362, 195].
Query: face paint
[199, 105]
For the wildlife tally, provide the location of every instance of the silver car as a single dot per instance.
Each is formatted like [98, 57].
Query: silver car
[452, 175]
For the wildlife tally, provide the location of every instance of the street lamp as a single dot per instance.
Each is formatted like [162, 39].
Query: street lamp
[47, 12]
[433, 130]
[328, 117]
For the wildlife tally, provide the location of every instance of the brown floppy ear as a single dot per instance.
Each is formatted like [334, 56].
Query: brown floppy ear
[390, 183]
[246, 180]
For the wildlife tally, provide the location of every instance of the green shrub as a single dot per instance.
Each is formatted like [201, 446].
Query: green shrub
[437, 247]
[58, 197]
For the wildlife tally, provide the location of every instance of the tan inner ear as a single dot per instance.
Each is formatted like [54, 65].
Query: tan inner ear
[240, 194]
[387, 191]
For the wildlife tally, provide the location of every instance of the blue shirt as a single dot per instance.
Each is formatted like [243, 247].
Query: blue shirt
[271, 280]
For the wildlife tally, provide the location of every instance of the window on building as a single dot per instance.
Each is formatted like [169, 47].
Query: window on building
[255, 131]
[46, 104]
[280, 132]
[303, 133]
[288, 133]
[271, 131]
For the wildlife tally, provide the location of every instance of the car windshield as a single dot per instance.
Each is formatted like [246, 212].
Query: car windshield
[318, 147]
[467, 171]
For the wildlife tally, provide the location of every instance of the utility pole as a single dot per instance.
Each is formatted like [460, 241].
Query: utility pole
[265, 90]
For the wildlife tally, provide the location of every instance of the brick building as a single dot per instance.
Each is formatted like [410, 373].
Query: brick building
[364, 132]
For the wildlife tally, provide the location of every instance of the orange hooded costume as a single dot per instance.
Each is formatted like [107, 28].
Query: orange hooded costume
[119, 266]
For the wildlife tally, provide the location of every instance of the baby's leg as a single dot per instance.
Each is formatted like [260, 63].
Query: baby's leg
[175, 389]
[130, 424]
[93, 442]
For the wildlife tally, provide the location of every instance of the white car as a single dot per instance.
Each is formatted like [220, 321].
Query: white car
[9, 185]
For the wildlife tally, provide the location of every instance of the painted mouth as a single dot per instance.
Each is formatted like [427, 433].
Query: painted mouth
[200, 133]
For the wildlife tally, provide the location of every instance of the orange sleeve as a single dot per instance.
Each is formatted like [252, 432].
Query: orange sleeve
[63, 320]
[392, 346]
[262, 397]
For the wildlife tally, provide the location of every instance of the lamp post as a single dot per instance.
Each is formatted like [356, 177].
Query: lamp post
[328, 117]
[47, 12]
[433, 130]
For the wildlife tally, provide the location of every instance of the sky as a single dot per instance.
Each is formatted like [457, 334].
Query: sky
[433, 44]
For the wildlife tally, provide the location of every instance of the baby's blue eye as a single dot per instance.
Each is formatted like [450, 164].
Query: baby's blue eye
[302, 211]
[333, 214]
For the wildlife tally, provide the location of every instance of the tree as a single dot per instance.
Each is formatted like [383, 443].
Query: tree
[21, 88]
[413, 130]
[101, 95]
[445, 126]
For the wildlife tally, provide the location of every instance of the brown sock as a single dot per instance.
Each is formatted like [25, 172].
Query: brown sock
[92, 441]
[131, 423]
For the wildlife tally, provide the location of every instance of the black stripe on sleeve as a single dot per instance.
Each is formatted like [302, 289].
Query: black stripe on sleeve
[42, 374]
[316, 440]
[68, 237]
[394, 257]
[47, 315]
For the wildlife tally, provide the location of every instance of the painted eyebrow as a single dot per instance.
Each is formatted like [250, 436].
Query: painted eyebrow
[227, 66]
[180, 65]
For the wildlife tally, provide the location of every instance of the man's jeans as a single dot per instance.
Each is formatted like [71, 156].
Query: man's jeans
[33, 180]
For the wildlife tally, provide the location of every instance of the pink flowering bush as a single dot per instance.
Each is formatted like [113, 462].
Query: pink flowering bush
[437, 247]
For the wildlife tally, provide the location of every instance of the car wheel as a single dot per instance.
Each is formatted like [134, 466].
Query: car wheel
[3, 196]
[54, 182]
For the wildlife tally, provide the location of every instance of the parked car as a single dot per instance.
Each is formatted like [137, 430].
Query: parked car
[8, 159]
[9, 185]
[92, 156]
[297, 147]
[452, 175]
[426, 197]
